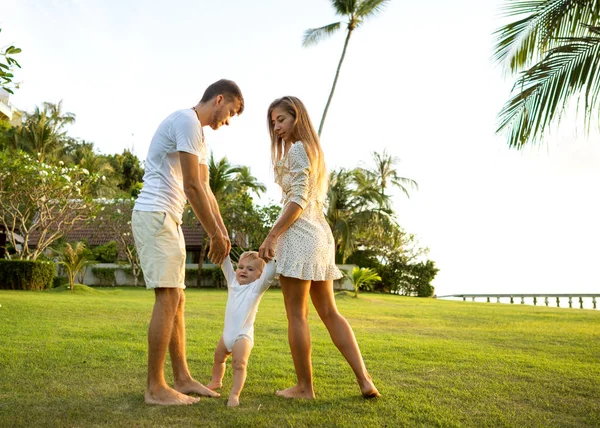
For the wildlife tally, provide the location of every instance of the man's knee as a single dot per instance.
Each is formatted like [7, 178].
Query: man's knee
[169, 297]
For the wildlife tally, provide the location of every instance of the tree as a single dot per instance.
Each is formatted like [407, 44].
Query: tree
[128, 171]
[385, 175]
[115, 216]
[353, 204]
[42, 134]
[74, 260]
[7, 64]
[356, 11]
[362, 278]
[40, 202]
[555, 45]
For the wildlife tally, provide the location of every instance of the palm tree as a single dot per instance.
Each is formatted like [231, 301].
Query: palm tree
[221, 177]
[246, 181]
[353, 204]
[73, 259]
[43, 133]
[385, 175]
[362, 277]
[356, 12]
[557, 44]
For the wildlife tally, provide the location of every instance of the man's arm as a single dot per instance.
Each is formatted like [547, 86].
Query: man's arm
[200, 202]
[205, 180]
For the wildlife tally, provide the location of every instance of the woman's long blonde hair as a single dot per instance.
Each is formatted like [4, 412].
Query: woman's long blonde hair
[304, 131]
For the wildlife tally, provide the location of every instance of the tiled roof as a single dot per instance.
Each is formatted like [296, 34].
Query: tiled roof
[193, 235]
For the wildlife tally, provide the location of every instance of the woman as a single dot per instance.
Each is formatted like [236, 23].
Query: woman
[302, 243]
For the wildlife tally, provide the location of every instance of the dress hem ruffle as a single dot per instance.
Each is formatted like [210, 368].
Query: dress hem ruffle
[308, 271]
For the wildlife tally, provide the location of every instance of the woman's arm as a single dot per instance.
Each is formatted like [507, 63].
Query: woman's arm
[290, 214]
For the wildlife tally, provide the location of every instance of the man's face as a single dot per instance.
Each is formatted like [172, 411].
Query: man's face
[223, 111]
[248, 271]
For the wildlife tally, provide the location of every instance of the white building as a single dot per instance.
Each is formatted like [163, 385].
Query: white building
[7, 111]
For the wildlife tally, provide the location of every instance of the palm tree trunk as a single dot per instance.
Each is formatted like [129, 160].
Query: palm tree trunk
[337, 74]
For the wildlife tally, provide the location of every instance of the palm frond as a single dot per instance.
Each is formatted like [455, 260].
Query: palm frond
[369, 8]
[527, 40]
[313, 36]
[547, 86]
[344, 7]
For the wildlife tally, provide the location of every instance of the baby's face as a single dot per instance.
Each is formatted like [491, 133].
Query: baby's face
[248, 270]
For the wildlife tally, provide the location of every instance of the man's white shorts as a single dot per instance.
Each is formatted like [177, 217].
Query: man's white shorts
[161, 247]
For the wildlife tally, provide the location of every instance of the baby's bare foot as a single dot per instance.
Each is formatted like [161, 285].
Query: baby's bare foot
[168, 397]
[213, 386]
[297, 392]
[234, 401]
[194, 387]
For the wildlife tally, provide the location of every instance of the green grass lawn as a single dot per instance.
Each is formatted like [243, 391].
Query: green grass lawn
[79, 359]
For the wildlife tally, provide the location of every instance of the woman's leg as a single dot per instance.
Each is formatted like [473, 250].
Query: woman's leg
[321, 294]
[218, 369]
[295, 295]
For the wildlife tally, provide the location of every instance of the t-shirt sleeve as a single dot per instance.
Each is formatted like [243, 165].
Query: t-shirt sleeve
[300, 174]
[267, 277]
[188, 137]
[228, 271]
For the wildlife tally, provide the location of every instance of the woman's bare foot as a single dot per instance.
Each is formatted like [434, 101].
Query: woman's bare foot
[213, 386]
[168, 397]
[234, 401]
[194, 387]
[297, 392]
[368, 389]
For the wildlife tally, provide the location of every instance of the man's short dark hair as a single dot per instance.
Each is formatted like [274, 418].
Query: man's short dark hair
[228, 88]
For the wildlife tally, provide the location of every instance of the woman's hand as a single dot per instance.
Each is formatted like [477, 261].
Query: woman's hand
[267, 249]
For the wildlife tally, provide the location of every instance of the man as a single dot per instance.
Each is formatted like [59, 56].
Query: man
[176, 169]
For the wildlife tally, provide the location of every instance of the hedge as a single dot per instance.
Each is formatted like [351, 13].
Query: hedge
[26, 274]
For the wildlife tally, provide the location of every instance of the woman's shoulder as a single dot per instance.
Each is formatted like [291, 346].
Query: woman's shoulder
[298, 150]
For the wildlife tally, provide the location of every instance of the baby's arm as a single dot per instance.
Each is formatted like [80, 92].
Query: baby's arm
[267, 276]
[228, 271]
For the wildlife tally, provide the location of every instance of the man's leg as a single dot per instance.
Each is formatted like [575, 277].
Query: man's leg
[218, 370]
[159, 336]
[241, 351]
[184, 382]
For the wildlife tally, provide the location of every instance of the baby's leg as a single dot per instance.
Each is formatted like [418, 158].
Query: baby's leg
[241, 352]
[218, 370]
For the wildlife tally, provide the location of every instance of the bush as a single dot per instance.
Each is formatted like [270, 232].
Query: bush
[214, 274]
[26, 274]
[107, 253]
[105, 276]
[59, 280]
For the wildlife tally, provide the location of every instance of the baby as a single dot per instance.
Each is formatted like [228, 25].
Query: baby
[246, 286]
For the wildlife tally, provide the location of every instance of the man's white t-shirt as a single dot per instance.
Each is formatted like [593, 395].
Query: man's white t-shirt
[163, 181]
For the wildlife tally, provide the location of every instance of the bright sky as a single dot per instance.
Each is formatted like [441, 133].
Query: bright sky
[417, 81]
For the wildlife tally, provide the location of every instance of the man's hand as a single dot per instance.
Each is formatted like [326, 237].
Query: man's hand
[219, 248]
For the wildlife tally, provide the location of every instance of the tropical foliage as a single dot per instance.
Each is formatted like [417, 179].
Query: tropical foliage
[41, 200]
[7, 65]
[73, 258]
[362, 278]
[356, 12]
[555, 46]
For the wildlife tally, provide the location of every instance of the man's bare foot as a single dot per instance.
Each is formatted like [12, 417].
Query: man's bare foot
[213, 386]
[296, 392]
[168, 397]
[368, 389]
[194, 387]
[234, 401]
